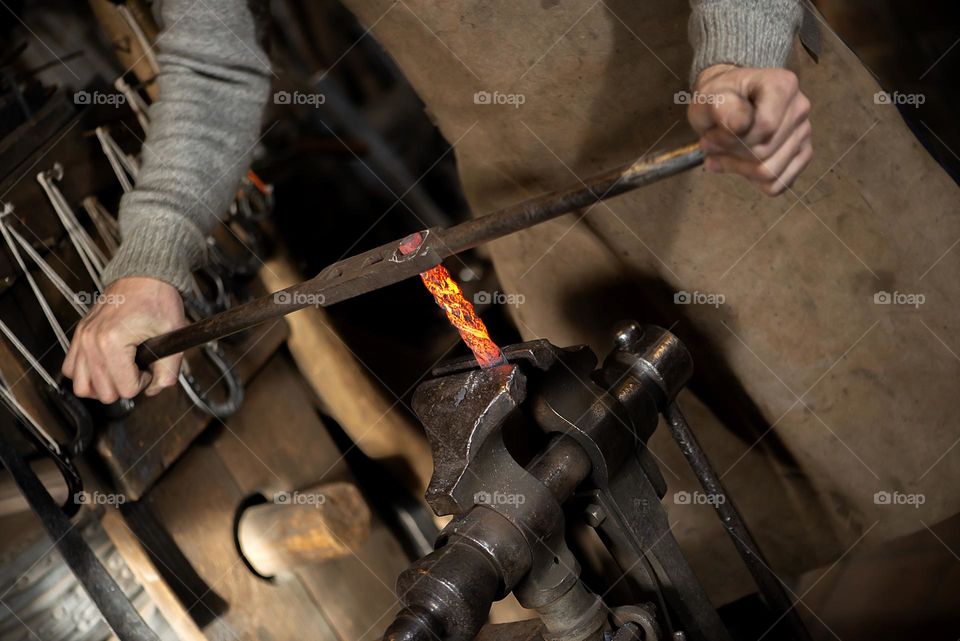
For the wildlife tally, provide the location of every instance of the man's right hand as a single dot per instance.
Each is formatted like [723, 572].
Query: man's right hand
[101, 357]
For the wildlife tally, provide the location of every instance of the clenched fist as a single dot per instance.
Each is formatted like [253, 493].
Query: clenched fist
[101, 357]
[752, 122]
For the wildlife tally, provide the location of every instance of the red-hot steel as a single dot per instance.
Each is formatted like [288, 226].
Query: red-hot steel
[458, 309]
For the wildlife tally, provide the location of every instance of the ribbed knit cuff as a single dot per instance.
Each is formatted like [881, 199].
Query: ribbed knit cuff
[746, 33]
[164, 245]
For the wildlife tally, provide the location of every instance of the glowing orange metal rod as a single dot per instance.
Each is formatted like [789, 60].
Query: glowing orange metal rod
[458, 309]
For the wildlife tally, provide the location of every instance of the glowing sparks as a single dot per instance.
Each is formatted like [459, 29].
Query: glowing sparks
[458, 309]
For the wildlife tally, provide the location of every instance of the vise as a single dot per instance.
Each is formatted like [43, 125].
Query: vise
[589, 428]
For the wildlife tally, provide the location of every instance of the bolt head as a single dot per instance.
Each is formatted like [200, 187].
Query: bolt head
[595, 515]
[626, 334]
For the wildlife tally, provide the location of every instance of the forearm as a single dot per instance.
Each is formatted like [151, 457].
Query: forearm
[213, 85]
[747, 33]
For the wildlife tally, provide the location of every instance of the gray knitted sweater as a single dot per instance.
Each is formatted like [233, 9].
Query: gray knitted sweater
[214, 84]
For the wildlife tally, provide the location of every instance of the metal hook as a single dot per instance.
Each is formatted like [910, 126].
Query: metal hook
[36, 433]
[125, 166]
[44, 306]
[137, 104]
[201, 398]
[91, 256]
[107, 226]
[70, 407]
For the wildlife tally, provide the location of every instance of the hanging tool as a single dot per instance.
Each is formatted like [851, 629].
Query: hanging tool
[388, 264]
[196, 304]
[68, 405]
[102, 589]
[90, 254]
[137, 104]
[107, 227]
[61, 455]
[80, 304]
[124, 166]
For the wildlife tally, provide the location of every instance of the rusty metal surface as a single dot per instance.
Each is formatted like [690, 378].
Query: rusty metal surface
[386, 265]
[487, 397]
[528, 630]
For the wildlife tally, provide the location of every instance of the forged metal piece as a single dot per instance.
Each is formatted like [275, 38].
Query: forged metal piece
[386, 265]
[137, 29]
[70, 407]
[45, 601]
[137, 104]
[67, 405]
[60, 455]
[44, 306]
[119, 613]
[90, 255]
[126, 168]
[107, 226]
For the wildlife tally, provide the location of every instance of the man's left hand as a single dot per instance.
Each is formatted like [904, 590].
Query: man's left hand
[752, 122]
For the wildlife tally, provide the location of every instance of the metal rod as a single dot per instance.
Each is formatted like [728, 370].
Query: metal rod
[106, 225]
[137, 104]
[71, 296]
[386, 265]
[117, 611]
[14, 405]
[771, 587]
[44, 306]
[90, 255]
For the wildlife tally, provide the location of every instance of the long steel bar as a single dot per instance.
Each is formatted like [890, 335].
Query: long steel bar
[772, 588]
[386, 265]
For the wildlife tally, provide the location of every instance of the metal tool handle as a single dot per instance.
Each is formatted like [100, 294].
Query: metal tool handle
[384, 266]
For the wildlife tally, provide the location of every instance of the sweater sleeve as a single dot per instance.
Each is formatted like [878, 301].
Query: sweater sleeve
[214, 82]
[747, 33]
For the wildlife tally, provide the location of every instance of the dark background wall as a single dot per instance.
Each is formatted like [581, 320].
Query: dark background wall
[912, 47]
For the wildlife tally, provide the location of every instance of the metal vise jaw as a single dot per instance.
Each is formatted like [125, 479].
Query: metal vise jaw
[508, 528]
